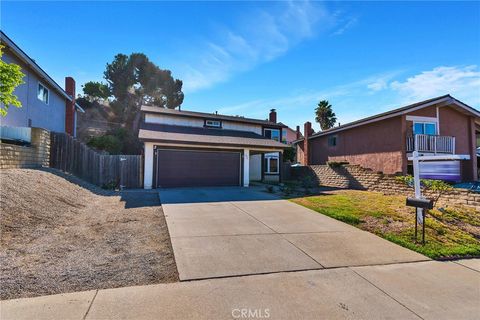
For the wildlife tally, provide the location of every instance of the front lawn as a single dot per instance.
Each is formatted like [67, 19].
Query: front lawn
[449, 232]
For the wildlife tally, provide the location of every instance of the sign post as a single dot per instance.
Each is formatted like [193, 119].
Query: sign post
[421, 204]
[416, 185]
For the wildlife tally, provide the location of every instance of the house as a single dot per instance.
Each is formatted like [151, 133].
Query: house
[442, 127]
[186, 148]
[289, 135]
[44, 103]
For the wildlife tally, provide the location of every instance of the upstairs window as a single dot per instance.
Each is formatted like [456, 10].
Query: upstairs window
[284, 135]
[273, 134]
[43, 93]
[332, 141]
[425, 128]
[213, 123]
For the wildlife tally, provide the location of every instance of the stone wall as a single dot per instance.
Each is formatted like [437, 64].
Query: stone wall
[33, 156]
[356, 177]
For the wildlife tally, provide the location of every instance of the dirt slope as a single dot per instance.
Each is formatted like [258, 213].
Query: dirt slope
[58, 236]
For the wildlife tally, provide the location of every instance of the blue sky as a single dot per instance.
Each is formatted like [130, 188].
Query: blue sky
[248, 57]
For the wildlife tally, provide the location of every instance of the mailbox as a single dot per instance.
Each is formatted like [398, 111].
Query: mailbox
[420, 203]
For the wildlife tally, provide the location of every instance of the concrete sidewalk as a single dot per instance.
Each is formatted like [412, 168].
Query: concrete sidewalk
[428, 290]
[223, 232]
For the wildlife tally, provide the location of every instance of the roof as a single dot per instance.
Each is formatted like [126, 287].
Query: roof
[444, 100]
[203, 115]
[196, 135]
[19, 53]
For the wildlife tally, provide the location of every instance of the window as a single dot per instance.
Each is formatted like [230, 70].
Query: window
[425, 128]
[273, 134]
[332, 141]
[213, 123]
[271, 164]
[284, 135]
[42, 93]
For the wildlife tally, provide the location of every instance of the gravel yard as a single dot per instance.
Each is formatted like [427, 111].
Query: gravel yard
[59, 234]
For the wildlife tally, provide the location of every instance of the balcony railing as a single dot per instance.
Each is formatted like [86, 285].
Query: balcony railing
[431, 144]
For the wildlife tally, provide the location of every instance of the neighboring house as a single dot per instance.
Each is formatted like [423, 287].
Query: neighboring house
[44, 103]
[185, 148]
[289, 135]
[436, 127]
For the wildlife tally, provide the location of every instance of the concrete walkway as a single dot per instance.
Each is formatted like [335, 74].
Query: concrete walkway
[225, 232]
[419, 290]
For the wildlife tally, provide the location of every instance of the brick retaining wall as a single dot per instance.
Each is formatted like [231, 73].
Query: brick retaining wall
[356, 177]
[34, 156]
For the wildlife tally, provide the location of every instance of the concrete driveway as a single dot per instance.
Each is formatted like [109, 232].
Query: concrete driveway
[222, 232]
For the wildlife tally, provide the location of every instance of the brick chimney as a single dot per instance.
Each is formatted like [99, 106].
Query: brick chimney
[70, 106]
[272, 117]
[299, 135]
[307, 131]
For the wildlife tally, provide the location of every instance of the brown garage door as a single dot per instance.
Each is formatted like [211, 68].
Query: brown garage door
[195, 168]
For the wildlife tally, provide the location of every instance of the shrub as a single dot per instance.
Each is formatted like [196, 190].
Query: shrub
[287, 190]
[336, 164]
[269, 189]
[108, 143]
[112, 185]
[289, 154]
[437, 186]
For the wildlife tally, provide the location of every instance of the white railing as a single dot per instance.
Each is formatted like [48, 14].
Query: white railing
[16, 133]
[431, 144]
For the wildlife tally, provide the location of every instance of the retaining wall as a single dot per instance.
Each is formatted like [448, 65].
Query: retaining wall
[33, 156]
[356, 177]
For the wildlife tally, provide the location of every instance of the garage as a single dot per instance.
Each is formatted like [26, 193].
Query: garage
[197, 168]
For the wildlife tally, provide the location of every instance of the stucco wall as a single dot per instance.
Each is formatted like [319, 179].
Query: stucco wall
[457, 124]
[50, 117]
[451, 123]
[377, 146]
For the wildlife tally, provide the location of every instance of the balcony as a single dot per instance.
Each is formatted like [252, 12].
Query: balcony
[426, 143]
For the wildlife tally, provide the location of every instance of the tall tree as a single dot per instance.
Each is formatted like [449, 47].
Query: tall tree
[324, 115]
[96, 90]
[11, 77]
[135, 81]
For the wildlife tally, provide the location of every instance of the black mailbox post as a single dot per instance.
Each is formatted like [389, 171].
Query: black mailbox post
[423, 205]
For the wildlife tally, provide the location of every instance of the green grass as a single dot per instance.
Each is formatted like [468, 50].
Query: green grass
[450, 233]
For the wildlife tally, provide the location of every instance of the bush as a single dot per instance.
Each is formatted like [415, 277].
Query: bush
[437, 186]
[117, 141]
[108, 143]
[336, 164]
[269, 189]
[112, 185]
[289, 154]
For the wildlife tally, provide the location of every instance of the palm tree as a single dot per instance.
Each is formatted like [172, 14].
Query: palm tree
[324, 115]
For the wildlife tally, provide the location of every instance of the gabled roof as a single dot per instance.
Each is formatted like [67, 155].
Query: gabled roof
[20, 54]
[203, 115]
[443, 100]
[205, 136]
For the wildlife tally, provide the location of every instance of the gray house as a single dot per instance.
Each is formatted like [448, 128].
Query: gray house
[191, 149]
[44, 103]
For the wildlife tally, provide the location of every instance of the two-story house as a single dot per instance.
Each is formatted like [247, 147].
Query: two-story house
[44, 103]
[186, 148]
[442, 128]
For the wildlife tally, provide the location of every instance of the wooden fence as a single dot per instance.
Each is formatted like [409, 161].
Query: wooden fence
[70, 155]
